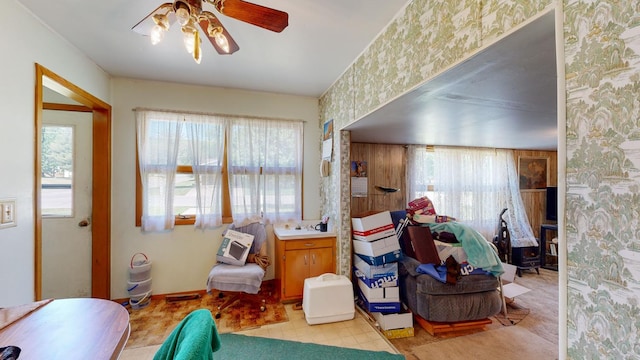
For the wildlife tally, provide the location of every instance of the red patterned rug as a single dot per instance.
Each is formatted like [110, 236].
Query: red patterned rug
[152, 324]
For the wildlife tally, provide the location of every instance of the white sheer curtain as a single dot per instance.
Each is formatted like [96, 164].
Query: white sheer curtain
[265, 169]
[473, 185]
[158, 138]
[521, 234]
[206, 137]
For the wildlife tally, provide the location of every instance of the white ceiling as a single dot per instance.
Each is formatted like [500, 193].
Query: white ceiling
[503, 97]
[323, 38]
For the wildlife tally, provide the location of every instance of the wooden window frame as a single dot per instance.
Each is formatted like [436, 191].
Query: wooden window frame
[187, 169]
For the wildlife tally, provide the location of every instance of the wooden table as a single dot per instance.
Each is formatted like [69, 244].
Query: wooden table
[70, 329]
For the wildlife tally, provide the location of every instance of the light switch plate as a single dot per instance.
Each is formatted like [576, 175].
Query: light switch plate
[8, 213]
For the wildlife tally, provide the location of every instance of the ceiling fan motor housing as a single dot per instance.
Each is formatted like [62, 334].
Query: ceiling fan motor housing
[194, 6]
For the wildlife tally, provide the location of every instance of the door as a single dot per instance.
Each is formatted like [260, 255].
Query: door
[321, 261]
[66, 194]
[296, 269]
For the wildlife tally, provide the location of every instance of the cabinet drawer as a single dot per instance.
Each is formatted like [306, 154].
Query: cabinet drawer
[308, 243]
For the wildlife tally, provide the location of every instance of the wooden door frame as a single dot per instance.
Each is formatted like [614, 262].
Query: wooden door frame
[101, 178]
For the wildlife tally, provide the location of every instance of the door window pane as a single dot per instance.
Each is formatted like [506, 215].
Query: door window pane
[57, 171]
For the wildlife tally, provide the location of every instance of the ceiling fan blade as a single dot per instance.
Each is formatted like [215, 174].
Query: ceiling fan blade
[258, 15]
[204, 24]
[145, 25]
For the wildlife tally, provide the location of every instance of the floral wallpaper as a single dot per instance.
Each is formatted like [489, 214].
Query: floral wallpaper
[602, 64]
[602, 50]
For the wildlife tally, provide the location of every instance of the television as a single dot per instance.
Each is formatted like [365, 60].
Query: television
[552, 203]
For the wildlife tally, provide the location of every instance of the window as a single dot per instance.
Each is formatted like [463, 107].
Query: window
[265, 169]
[472, 185]
[57, 171]
[182, 159]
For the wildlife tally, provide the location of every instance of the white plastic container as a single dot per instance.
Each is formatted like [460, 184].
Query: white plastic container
[139, 269]
[140, 301]
[328, 298]
[139, 288]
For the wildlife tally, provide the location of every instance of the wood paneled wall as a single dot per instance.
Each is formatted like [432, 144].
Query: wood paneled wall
[535, 201]
[386, 166]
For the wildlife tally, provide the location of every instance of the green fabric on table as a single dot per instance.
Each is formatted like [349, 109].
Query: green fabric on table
[195, 337]
[479, 252]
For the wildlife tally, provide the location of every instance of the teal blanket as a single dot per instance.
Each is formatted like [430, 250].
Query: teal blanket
[479, 252]
[195, 337]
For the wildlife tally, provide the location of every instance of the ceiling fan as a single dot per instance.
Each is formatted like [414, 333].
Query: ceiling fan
[190, 15]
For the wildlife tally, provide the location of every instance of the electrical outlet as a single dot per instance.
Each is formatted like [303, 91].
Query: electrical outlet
[8, 212]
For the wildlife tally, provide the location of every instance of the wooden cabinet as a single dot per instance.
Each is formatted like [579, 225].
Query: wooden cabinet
[298, 259]
[548, 249]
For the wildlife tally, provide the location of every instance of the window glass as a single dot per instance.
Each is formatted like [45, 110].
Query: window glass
[57, 171]
[184, 197]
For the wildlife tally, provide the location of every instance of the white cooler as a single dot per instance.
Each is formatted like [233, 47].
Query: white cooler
[328, 298]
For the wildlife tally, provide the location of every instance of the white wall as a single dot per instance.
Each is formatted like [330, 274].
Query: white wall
[26, 42]
[181, 259]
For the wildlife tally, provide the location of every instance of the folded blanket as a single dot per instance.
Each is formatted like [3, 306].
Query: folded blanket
[195, 337]
[479, 253]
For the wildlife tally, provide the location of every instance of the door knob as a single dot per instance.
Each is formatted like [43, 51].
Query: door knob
[84, 223]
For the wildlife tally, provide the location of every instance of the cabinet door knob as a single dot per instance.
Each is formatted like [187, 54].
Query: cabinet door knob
[309, 244]
[313, 258]
[306, 260]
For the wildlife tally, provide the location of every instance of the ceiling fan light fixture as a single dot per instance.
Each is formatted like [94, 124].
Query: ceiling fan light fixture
[162, 26]
[189, 39]
[190, 15]
[183, 14]
[197, 51]
[221, 40]
[157, 34]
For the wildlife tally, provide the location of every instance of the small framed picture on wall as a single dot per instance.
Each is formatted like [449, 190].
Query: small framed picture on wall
[533, 172]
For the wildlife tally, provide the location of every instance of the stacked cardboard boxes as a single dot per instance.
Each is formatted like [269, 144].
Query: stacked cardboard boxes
[375, 266]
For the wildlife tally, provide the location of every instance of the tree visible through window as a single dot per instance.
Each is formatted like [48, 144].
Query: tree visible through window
[57, 170]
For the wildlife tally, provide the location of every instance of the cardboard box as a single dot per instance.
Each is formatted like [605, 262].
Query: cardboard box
[372, 226]
[383, 307]
[383, 294]
[377, 247]
[446, 249]
[510, 288]
[387, 258]
[399, 320]
[235, 248]
[375, 276]
[398, 333]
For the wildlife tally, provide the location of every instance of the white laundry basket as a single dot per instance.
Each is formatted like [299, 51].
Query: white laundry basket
[140, 301]
[139, 269]
[139, 284]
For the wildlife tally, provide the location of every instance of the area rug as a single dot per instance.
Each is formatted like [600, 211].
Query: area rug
[236, 346]
[151, 325]
[515, 314]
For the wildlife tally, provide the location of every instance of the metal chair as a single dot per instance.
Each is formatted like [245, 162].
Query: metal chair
[242, 280]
